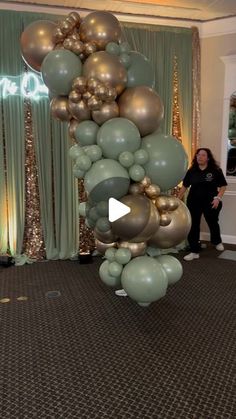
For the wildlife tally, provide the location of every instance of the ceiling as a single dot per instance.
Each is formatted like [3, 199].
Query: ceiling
[193, 10]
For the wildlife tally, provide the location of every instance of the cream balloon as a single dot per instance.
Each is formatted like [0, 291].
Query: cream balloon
[102, 247]
[174, 233]
[36, 42]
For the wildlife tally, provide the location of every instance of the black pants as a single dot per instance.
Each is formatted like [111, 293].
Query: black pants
[211, 216]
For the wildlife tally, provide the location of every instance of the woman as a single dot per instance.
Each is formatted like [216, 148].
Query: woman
[207, 186]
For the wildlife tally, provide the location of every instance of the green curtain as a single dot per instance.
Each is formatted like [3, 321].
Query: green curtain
[161, 44]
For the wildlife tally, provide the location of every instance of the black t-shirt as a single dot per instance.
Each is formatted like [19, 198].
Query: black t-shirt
[204, 183]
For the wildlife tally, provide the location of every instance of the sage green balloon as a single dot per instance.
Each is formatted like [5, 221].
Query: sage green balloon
[168, 161]
[123, 255]
[106, 277]
[102, 208]
[59, 68]
[93, 214]
[172, 267]
[113, 48]
[75, 151]
[118, 135]
[110, 254]
[137, 172]
[141, 156]
[115, 269]
[126, 159]
[125, 59]
[86, 133]
[94, 152]
[103, 224]
[144, 279]
[140, 71]
[105, 179]
[83, 209]
[77, 172]
[83, 162]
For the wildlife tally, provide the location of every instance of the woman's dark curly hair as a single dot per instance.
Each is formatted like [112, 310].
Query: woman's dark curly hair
[212, 163]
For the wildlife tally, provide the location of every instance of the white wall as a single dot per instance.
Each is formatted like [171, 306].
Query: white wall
[212, 105]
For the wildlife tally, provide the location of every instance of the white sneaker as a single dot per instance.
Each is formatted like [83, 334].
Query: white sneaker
[220, 247]
[191, 256]
[121, 293]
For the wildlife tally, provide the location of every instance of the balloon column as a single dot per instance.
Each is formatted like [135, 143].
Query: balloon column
[106, 93]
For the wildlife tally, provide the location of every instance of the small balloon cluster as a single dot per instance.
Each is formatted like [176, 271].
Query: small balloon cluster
[107, 94]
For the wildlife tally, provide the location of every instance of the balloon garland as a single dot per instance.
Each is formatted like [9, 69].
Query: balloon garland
[106, 93]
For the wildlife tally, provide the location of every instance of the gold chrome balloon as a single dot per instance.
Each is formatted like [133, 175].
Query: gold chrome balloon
[162, 203]
[136, 188]
[165, 219]
[146, 181]
[36, 42]
[100, 27]
[152, 191]
[173, 203]
[107, 111]
[143, 106]
[106, 68]
[80, 84]
[79, 110]
[137, 249]
[174, 233]
[59, 108]
[74, 96]
[102, 247]
[72, 126]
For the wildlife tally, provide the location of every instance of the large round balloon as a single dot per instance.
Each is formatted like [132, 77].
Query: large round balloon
[59, 69]
[176, 231]
[140, 71]
[140, 223]
[36, 42]
[106, 68]
[106, 179]
[143, 106]
[144, 279]
[100, 28]
[118, 135]
[167, 162]
[172, 267]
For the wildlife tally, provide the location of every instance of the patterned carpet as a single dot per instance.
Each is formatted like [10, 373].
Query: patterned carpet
[83, 352]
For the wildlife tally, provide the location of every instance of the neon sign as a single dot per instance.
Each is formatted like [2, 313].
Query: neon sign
[28, 85]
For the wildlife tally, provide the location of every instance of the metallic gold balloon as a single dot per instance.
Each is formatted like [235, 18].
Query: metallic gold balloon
[57, 35]
[173, 203]
[105, 237]
[80, 84]
[143, 106]
[59, 108]
[92, 84]
[106, 68]
[74, 16]
[79, 110]
[72, 126]
[87, 95]
[174, 233]
[36, 42]
[66, 27]
[136, 188]
[68, 43]
[90, 48]
[152, 191]
[77, 47]
[100, 27]
[107, 111]
[165, 219]
[94, 103]
[137, 249]
[102, 247]
[74, 96]
[146, 182]
[162, 203]
[140, 223]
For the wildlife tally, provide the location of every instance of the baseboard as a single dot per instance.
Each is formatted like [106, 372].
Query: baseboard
[225, 238]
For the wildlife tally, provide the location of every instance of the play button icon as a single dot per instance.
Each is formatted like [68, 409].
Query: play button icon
[116, 209]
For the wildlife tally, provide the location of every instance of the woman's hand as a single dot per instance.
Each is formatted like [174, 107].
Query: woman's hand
[215, 202]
